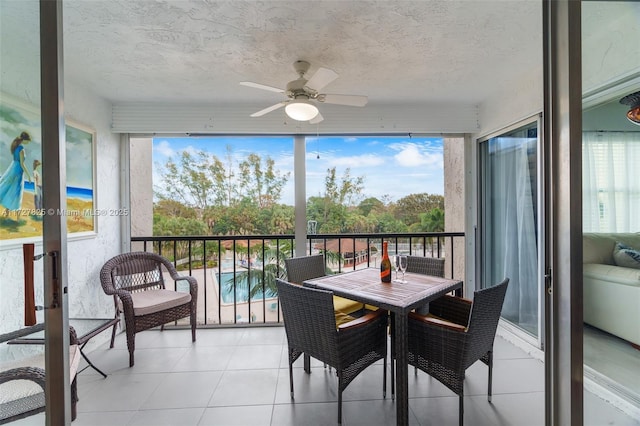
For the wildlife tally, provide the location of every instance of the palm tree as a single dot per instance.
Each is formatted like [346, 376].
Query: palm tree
[272, 260]
[263, 282]
[433, 221]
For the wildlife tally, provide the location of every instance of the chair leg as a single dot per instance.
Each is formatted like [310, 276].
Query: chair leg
[307, 363]
[490, 353]
[393, 377]
[461, 409]
[384, 378]
[290, 377]
[113, 335]
[393, 355]
[340, 397]
[131, 345]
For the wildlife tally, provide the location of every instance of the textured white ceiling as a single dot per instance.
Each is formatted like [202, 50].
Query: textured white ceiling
[455, 52]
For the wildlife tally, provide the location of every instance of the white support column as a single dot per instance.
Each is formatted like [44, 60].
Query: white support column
[125, 193]
[299, 180]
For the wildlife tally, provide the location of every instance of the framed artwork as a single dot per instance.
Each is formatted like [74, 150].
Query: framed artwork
[21, 210]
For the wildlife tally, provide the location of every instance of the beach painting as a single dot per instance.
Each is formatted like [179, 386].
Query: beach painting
[21, 195]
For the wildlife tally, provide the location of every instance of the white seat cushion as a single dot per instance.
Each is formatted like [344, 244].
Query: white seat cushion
[150, 301]
[18, 395]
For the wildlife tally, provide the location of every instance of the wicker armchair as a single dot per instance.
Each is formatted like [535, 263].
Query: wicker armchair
[136, 282]
[311, 328]
[456, 334]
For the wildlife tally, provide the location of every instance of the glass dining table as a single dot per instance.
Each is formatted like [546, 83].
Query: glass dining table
[84, 328]
[364, 286]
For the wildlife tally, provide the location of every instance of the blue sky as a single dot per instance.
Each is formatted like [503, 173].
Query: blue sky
[392, 166]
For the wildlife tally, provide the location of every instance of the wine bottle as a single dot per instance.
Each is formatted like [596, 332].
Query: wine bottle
[385, 264]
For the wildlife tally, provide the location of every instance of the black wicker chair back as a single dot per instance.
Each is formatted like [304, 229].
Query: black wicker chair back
[310, 326]
[304, 268]
[309, 321]
[433, 266]
[483, 321]
[127, 275]
[445, 349]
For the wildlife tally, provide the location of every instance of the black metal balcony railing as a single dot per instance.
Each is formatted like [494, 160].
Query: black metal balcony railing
[236, 274]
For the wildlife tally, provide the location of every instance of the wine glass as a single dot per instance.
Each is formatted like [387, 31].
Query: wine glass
[394, 262]
[402, 264]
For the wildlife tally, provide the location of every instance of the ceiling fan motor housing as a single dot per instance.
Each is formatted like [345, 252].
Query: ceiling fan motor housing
[296, 89]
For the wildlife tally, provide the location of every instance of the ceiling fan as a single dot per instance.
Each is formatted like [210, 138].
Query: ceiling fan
[303, 92]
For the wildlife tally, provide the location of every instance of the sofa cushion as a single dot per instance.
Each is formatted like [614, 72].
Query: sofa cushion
[612, 273]
[598, 247]
[626, 256]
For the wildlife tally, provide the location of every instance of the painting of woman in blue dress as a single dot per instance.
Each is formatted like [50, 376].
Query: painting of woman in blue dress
[12, 180]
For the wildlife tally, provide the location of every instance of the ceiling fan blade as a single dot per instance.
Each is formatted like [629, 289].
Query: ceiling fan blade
[318, 118]
[261, 86]
[321, 78]
[350, 100]
[268, 109]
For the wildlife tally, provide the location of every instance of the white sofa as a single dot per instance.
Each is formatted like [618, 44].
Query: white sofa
[611, 293]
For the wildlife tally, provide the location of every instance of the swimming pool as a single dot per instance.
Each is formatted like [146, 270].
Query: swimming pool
[226, 289]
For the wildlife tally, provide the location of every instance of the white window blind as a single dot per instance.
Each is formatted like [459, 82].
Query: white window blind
[611, 181]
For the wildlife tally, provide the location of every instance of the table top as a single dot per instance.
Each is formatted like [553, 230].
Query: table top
[364, 285]
[85, 329]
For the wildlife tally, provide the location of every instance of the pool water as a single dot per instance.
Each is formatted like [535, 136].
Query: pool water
[226, 289]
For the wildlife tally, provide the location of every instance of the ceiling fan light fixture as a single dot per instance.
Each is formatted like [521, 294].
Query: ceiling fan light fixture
[301, 110]
[633, 100]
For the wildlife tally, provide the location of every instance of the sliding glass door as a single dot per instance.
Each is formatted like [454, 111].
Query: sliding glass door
[509, 222]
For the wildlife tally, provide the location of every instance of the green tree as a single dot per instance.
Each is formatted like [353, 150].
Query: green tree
[410, 207]
[370, 204]
[345, 192]
[433, 220]
[259, 181]
[173, 208]
[188, 182]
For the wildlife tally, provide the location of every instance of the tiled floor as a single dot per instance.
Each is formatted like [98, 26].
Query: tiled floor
[240, 377]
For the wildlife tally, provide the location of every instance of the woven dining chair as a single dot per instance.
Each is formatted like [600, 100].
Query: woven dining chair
[311, 328]
[136, 282]
[300, 269]
[433, 266]
[454, 335]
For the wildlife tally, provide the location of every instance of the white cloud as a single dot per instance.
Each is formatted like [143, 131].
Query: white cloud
[356, 161]
[414, 155]
[163, 148]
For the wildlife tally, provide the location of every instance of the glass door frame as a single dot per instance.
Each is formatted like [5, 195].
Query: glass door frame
[537, 341]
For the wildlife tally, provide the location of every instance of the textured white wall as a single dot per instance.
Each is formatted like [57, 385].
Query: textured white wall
[85, 256]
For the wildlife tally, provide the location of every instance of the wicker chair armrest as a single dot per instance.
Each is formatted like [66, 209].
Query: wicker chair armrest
[125, 298]
[362, 321]
[175, 276]
[33, 374]
[452, 308]
[21, 332]
[437, 322]
[193, 283]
